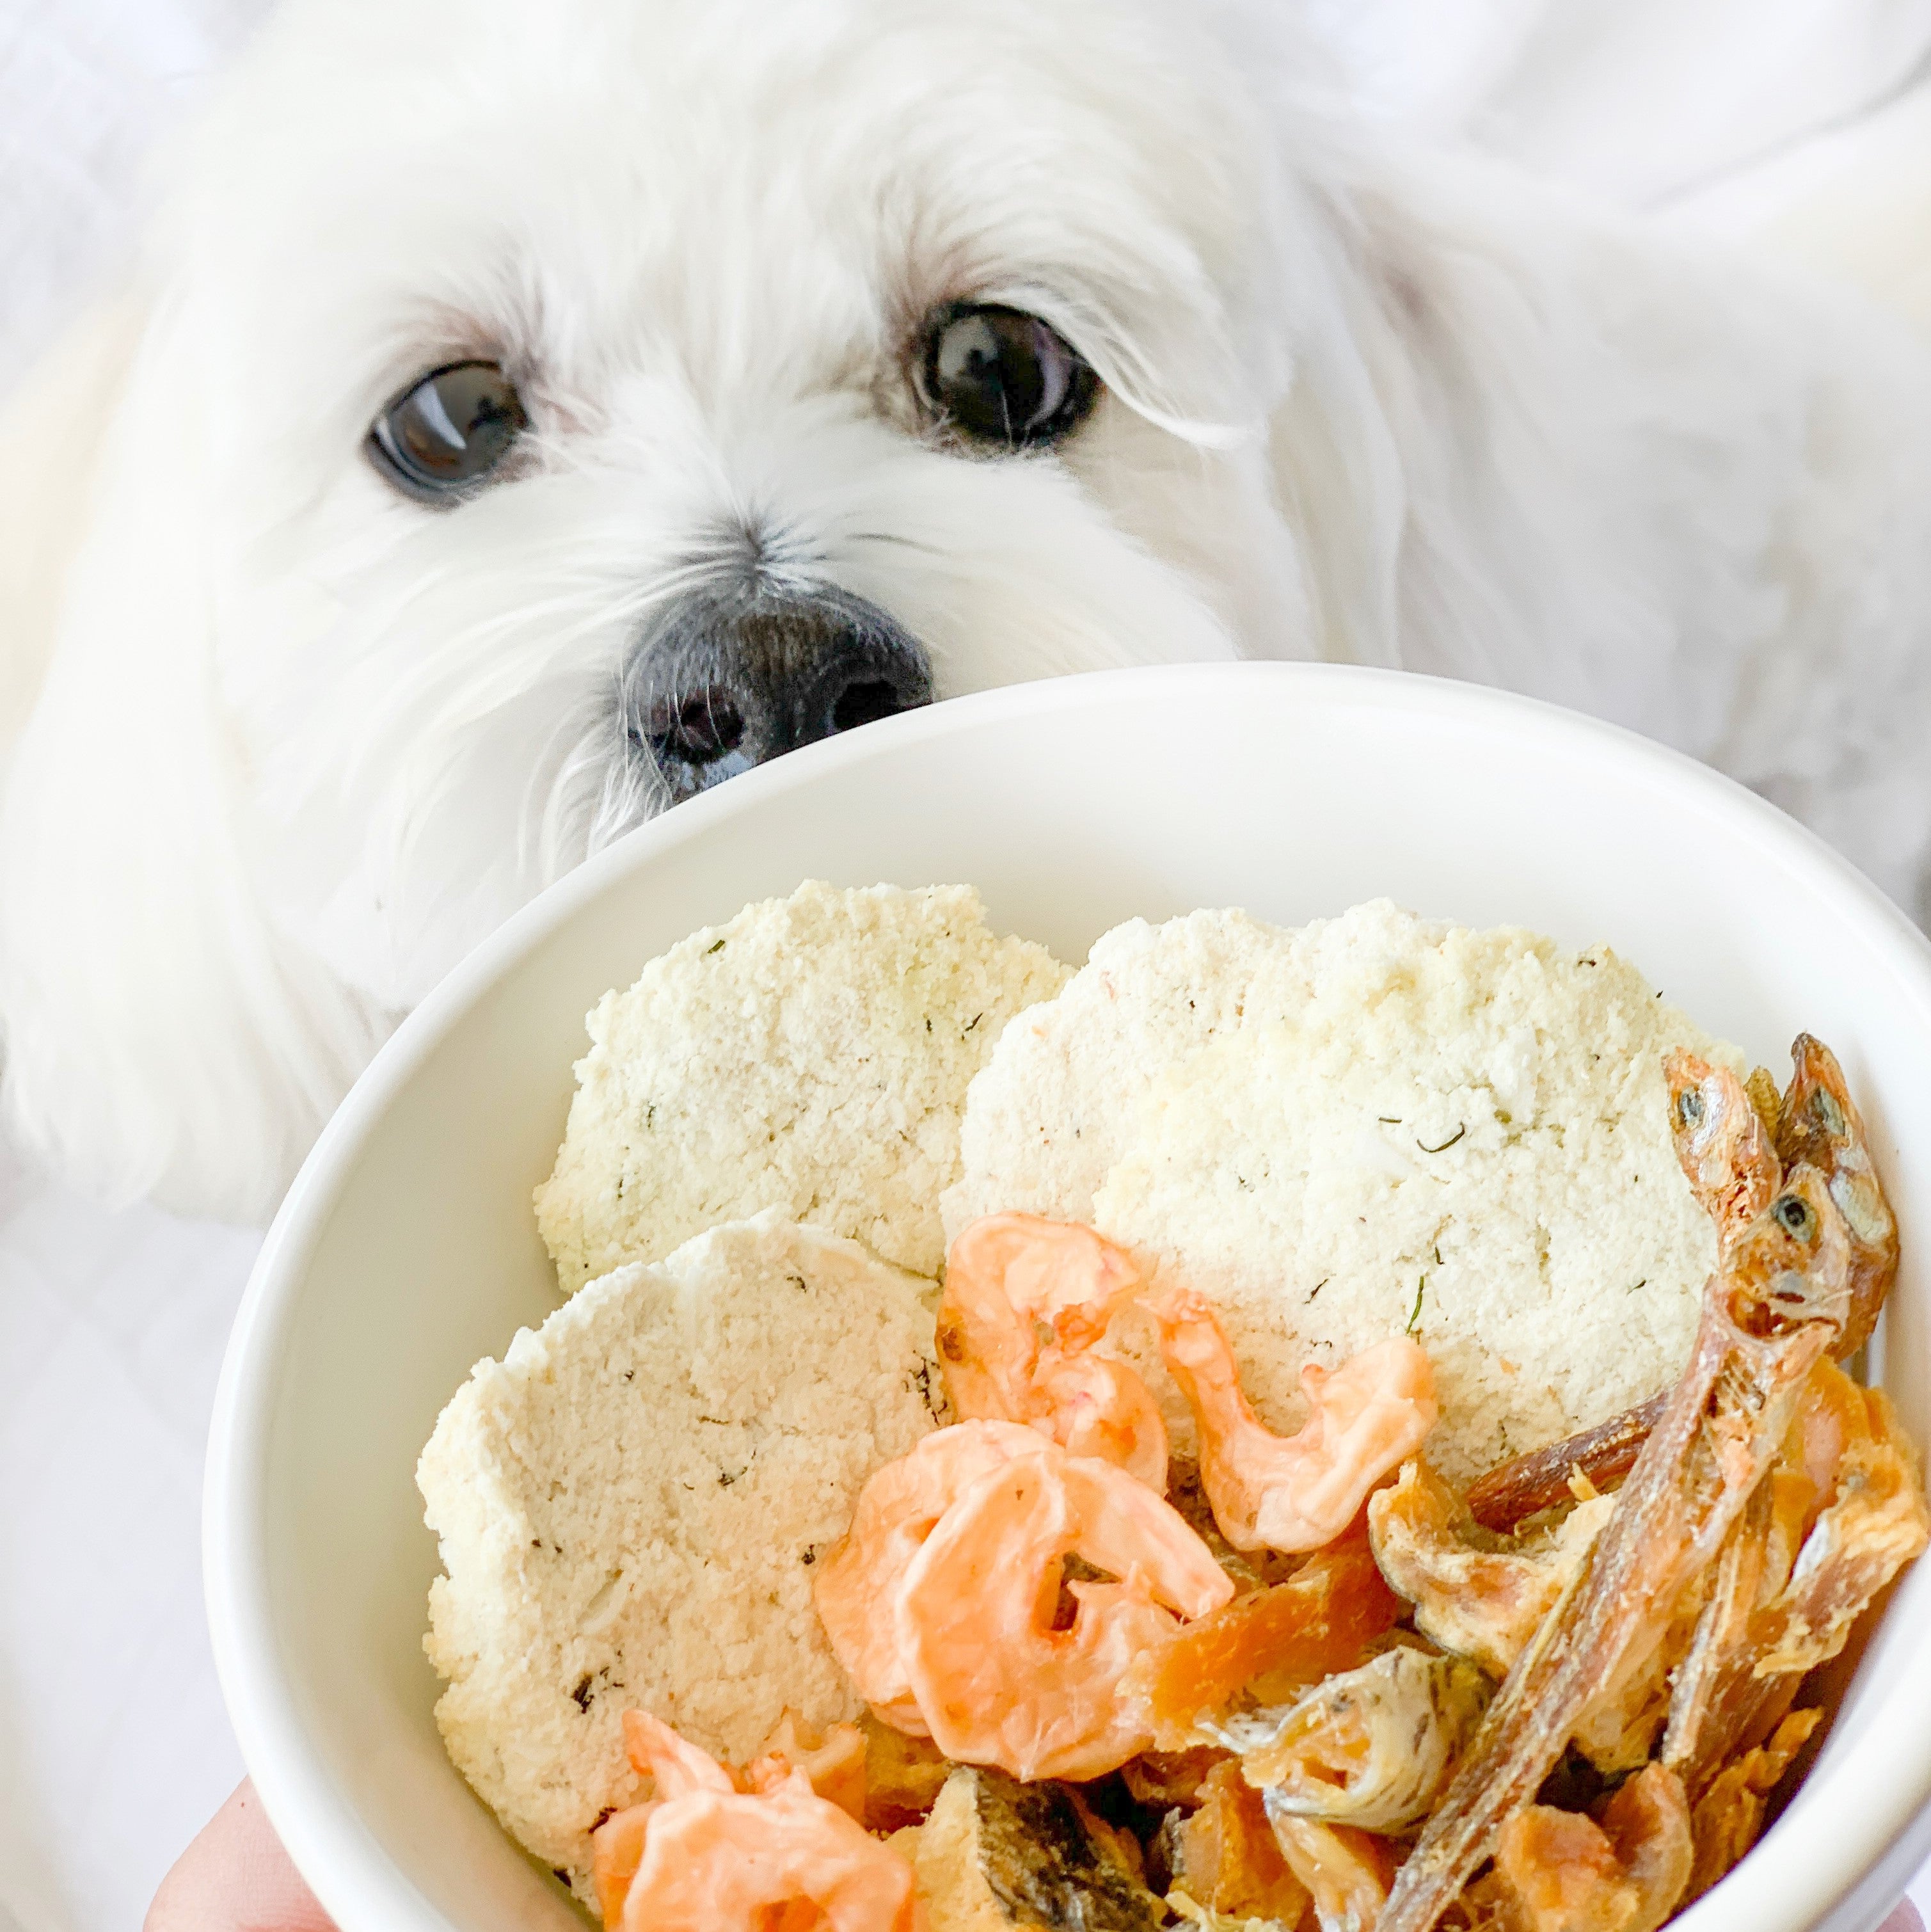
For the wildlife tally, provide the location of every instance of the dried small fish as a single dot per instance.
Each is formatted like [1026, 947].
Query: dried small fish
[1373, 1747]
[1481, 1595]
[1725, 1150]
[1777, 1306]
[1818, 1125]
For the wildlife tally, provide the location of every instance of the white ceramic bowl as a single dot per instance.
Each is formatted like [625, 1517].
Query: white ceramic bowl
[407, 1249]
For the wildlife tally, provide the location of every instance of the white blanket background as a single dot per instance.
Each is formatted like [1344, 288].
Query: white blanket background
[113, 1745]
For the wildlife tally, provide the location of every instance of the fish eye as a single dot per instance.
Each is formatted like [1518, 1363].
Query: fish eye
[445, 433]
[1689, 1107]
[1793, 1215]
[1001, 377]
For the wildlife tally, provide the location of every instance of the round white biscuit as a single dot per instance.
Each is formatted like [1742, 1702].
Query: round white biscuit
[812, 1054]
[1371, 1126]
[630, 1505]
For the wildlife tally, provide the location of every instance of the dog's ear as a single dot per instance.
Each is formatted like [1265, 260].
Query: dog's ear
[51, 431]
[1338, 478]
[159, 1036]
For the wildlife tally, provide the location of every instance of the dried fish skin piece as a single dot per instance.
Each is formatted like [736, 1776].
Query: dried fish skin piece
[1348, 1872]
[1224, 1859]
[1269, 1645]
[1556, 1871]
[1725, 1151]
[1772, 1311]
[1514, 1491]
[1621, 1871]
[1728, 1816]
[1475, 1593]
[996, 1855]
[1818, 1125]
[1373, 1747]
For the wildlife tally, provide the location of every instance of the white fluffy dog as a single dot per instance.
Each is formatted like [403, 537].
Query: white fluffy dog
[529, 413]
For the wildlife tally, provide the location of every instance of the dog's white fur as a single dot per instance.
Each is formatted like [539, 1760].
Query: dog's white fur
[295, 742]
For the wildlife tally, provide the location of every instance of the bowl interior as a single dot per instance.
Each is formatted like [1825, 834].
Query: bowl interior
[407, 1249]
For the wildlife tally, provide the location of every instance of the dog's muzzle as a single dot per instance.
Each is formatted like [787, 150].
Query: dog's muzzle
[725, 680]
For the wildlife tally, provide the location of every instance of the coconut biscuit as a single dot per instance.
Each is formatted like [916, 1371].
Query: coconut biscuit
[812, 1055]
[631, 1503]
[1373, 1126]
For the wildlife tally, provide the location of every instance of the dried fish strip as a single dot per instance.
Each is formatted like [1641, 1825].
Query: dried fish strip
[1270, 1645]
[1374, 1747]
[1513, 1492]
[1776, 1307]
[1481, 1595]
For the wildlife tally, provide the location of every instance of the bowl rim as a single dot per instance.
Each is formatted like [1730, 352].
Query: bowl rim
[1856, 1866]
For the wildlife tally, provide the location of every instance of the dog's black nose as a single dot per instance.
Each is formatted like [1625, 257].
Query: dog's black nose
[723, 680]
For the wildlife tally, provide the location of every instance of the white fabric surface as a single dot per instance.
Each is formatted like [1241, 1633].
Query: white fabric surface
[113, 1745]
[1640, 101]
[86, 89]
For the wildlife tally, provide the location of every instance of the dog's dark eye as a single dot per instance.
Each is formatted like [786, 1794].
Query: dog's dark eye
[447, 434]
[1000, 375]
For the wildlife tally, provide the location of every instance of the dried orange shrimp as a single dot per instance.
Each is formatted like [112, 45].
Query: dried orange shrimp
[1297, 1492]
[1026, 1299]
[995, 1680]
[858, 1583]
[716, 1852]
